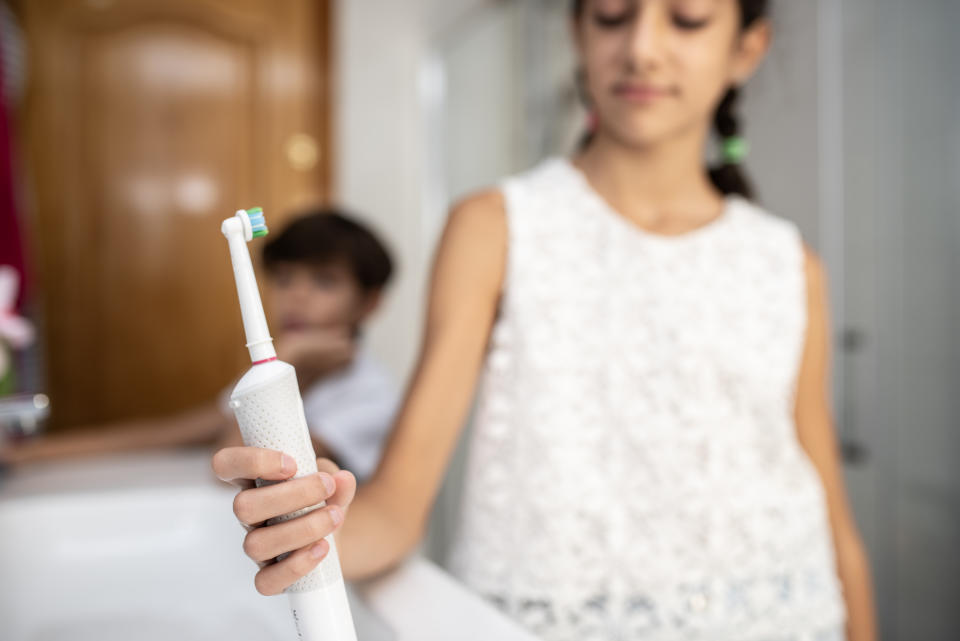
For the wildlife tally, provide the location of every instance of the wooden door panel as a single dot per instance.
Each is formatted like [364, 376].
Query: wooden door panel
[148, 123]
[170, 109]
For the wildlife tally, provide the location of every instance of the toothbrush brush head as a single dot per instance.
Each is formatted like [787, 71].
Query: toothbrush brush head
[258, 223]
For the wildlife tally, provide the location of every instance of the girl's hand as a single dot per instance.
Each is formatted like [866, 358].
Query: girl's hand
[302, 536]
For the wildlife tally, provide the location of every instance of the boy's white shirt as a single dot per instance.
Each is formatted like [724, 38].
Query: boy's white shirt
[351, 411]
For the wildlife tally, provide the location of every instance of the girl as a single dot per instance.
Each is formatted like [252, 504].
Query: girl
[653, 455]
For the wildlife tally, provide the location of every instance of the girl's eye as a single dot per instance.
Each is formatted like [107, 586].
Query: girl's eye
[611, 20]
[689, 24]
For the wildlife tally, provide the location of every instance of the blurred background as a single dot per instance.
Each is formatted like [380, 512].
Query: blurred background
[130, 128]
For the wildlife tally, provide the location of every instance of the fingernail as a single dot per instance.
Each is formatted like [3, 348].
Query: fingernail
[318, 550]
[328, 483]
[336, 515]
[287, 464]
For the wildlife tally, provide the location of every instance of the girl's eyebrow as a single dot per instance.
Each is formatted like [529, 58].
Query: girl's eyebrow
[601, 5]
[712, 4]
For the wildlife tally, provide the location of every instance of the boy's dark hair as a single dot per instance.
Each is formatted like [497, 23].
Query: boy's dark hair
[328, 235]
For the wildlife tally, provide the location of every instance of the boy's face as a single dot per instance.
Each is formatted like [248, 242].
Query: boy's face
[304, 296]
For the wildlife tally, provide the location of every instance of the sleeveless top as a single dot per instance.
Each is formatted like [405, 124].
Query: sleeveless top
[633, 470]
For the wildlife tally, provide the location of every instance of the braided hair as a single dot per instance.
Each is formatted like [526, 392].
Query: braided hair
[726, 176]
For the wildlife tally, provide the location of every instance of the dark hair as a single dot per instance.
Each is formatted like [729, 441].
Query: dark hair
[329, 235]
[728, 177]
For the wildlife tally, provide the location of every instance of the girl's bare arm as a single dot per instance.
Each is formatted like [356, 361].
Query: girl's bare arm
[816, 434]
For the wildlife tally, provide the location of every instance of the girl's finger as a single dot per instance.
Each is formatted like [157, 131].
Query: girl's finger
[275, 577]
[256, 505]
[239, 465]
[328, 466]
[346, 483]
[346, 489]
[265, 543]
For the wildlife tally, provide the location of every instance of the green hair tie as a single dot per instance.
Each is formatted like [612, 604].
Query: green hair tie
[735, 149]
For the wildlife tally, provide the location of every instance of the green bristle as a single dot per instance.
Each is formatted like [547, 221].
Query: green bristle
[260, 232]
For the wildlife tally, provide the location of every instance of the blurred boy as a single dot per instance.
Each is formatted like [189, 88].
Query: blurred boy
[326, 277]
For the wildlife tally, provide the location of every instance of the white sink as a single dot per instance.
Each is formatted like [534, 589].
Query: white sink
[146, 547]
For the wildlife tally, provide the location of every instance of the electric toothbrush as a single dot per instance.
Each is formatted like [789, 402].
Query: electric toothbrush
[269, 410]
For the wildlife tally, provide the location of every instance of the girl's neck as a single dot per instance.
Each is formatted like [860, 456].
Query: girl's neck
[665, 184]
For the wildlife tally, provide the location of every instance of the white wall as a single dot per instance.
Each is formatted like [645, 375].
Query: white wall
[378, 152]
[380, 156]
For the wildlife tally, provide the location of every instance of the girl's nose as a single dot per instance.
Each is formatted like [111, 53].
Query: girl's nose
[648, 35]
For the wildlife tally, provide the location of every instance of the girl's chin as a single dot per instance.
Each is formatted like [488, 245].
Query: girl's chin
[643, 132]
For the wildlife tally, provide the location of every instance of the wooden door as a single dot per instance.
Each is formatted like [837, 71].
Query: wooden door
[147, 122]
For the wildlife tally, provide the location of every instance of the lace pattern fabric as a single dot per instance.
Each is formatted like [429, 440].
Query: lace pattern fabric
[634, 471]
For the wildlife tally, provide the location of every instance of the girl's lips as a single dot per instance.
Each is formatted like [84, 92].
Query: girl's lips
[641, 93]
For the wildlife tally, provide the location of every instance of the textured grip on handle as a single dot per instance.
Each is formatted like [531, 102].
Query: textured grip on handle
[271, 416]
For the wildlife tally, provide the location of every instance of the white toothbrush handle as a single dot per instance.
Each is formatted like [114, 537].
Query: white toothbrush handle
[269, 411]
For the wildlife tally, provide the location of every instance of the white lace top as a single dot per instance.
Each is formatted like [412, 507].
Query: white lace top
[634, 471]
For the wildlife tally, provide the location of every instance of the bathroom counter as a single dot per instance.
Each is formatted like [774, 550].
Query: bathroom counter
[421, 602]
[145, 546]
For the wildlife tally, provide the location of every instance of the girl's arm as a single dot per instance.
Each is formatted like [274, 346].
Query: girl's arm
[389, 515]
[816, 435]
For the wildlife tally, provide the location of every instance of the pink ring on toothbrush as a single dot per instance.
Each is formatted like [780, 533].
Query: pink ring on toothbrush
[266, 360]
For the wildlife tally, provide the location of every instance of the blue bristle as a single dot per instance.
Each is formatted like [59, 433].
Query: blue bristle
[258, 222]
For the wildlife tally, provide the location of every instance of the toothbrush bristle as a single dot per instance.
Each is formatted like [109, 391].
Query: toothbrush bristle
[258, 223]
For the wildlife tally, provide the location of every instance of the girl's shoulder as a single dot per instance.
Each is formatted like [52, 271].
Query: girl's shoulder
[479, 215]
